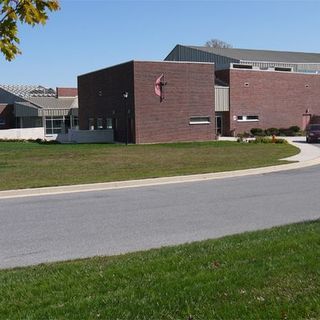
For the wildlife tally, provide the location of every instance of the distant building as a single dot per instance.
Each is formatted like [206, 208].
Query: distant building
[26, 106]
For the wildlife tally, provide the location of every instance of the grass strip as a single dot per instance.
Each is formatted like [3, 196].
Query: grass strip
[270, 274]
[29, 165]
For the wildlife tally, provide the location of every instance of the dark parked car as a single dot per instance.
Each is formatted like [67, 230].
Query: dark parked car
[313, 133]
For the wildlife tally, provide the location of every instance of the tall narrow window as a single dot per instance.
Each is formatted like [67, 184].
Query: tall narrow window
[91, 123]
[75, 122]
[99, 124]
[109, 123]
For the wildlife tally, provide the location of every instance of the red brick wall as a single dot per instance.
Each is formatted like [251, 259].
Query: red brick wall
[100, 96]
[189, 92]
[6, 115]
[278, 98]
[66, 92]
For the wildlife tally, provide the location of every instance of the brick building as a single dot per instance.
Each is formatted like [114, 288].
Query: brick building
[185, 112]
[208, 92]
[270, 99]
[262, 88]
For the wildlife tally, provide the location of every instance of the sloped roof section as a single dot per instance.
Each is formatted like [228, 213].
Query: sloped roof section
[30, 96]
[262, 55]
[54, 103]
[26, 91]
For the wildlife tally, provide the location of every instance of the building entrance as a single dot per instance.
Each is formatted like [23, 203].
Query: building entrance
[218, 125]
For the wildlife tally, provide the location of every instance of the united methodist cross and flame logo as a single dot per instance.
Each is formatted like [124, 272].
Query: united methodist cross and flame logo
[158, 87]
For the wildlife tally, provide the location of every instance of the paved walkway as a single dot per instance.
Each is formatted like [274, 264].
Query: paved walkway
[309, 156]
[307, 151]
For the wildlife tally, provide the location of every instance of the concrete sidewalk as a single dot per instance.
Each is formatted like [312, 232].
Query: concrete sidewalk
[309, 156]
[307, 150]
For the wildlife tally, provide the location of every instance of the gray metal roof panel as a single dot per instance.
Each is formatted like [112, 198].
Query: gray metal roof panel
[262, 55]
[53, 103]
[26, 104]
[29, 90]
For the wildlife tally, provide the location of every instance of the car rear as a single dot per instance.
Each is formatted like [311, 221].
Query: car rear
[313, 133]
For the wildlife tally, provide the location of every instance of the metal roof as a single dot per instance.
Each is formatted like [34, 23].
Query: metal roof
[26, 91]
[39, 98]
[54, 103]
[262, 55]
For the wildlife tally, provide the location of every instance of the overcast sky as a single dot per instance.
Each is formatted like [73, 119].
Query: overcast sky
[86, 35]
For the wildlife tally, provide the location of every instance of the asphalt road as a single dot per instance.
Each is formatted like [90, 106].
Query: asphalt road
[60, 227]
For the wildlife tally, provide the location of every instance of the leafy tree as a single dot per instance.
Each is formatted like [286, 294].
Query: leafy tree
[216, 43]
[30, 12]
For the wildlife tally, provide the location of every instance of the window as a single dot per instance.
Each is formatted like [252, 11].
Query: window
[91, 124]
[99, 124]
[282, 69]
[109, 123]
[75, 122]
[247, 118]
[242, 66]
[252, 118]
[54, 125]
[2, 121]
[199, 120]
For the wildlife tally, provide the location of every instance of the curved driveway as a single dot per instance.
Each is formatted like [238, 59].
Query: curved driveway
[66, 226]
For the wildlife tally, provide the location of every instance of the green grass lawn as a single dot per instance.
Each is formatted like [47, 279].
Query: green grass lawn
[271, 274]
[28, 165]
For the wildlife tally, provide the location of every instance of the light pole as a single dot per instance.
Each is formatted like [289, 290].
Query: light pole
[125, 96]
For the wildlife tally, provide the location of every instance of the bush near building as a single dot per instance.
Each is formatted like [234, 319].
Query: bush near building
[286, 132]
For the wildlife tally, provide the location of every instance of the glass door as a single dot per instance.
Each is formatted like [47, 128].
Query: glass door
[218, 125]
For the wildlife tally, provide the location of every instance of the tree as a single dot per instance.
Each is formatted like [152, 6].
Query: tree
[30, 12]
[216, 43]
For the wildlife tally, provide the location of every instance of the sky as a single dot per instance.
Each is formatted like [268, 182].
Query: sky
[86, 35]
